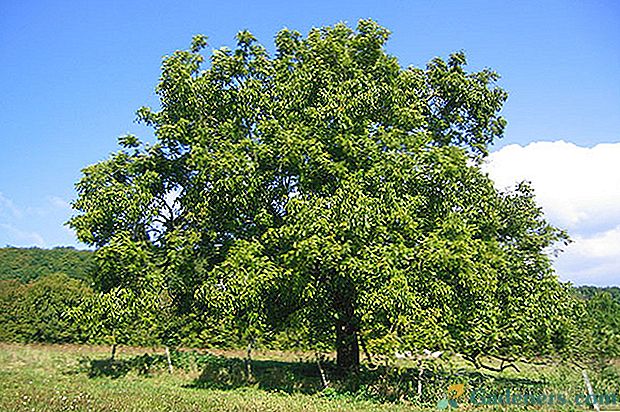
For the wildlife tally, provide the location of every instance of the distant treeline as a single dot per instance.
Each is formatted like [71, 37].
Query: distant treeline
[591, 291]
[27, 264]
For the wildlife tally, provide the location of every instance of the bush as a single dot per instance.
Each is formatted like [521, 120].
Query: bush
[36, 312]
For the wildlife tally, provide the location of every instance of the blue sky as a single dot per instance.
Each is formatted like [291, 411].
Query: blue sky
[72, 75]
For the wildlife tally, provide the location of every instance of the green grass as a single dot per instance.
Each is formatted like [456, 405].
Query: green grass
[79, 378]
[51, 378]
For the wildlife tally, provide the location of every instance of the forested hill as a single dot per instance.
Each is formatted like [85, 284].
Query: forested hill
[591, 291]
[26, 264]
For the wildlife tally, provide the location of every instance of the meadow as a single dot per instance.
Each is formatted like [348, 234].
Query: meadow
[54, 378]
[43, 377]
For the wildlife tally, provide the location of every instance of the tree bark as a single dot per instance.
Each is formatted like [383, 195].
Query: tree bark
[347, 345]
[248, 361]
[169, 360]
[324, 380]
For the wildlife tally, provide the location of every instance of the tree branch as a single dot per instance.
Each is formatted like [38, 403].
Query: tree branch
[479, 365]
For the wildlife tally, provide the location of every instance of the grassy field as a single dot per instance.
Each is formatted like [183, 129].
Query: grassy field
[52, 378]
[78, 378]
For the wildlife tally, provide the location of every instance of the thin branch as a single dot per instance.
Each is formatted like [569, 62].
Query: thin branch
[324, 380]
[365, 349]
[479, 365]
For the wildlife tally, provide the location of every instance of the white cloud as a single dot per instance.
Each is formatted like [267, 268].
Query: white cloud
[592, 259]
[579, 190]
[601, 245]
[30, 225]
[21, 237]
[7, 207]
[59, 202]
[575, 185]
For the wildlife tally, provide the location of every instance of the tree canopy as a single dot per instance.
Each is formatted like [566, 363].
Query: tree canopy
[326, 189]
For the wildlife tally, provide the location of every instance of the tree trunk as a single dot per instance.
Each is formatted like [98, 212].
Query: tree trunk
[324, 380]
[420, 374]
[113, 354]
[248, 361]
[169, 360]
[347, 347]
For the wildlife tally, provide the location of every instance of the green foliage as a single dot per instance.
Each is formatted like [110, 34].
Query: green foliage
[599, 326]
[30, 264]
[37, 311]
[11, 294]
[123, 263]
[592, 291]
[59, 309]
[604, 320]
[120, 316]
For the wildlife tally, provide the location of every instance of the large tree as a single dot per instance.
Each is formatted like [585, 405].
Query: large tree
[325, 187]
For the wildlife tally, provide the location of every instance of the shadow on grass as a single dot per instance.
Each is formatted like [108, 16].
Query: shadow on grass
[116, 368]
[381, 384]
[230, 373]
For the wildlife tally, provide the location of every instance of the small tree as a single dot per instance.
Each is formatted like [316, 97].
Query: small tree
[596, 334]
[117, 317]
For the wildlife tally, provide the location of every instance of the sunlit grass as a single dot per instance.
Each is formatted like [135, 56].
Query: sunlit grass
[49, 378]
[60, 378]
